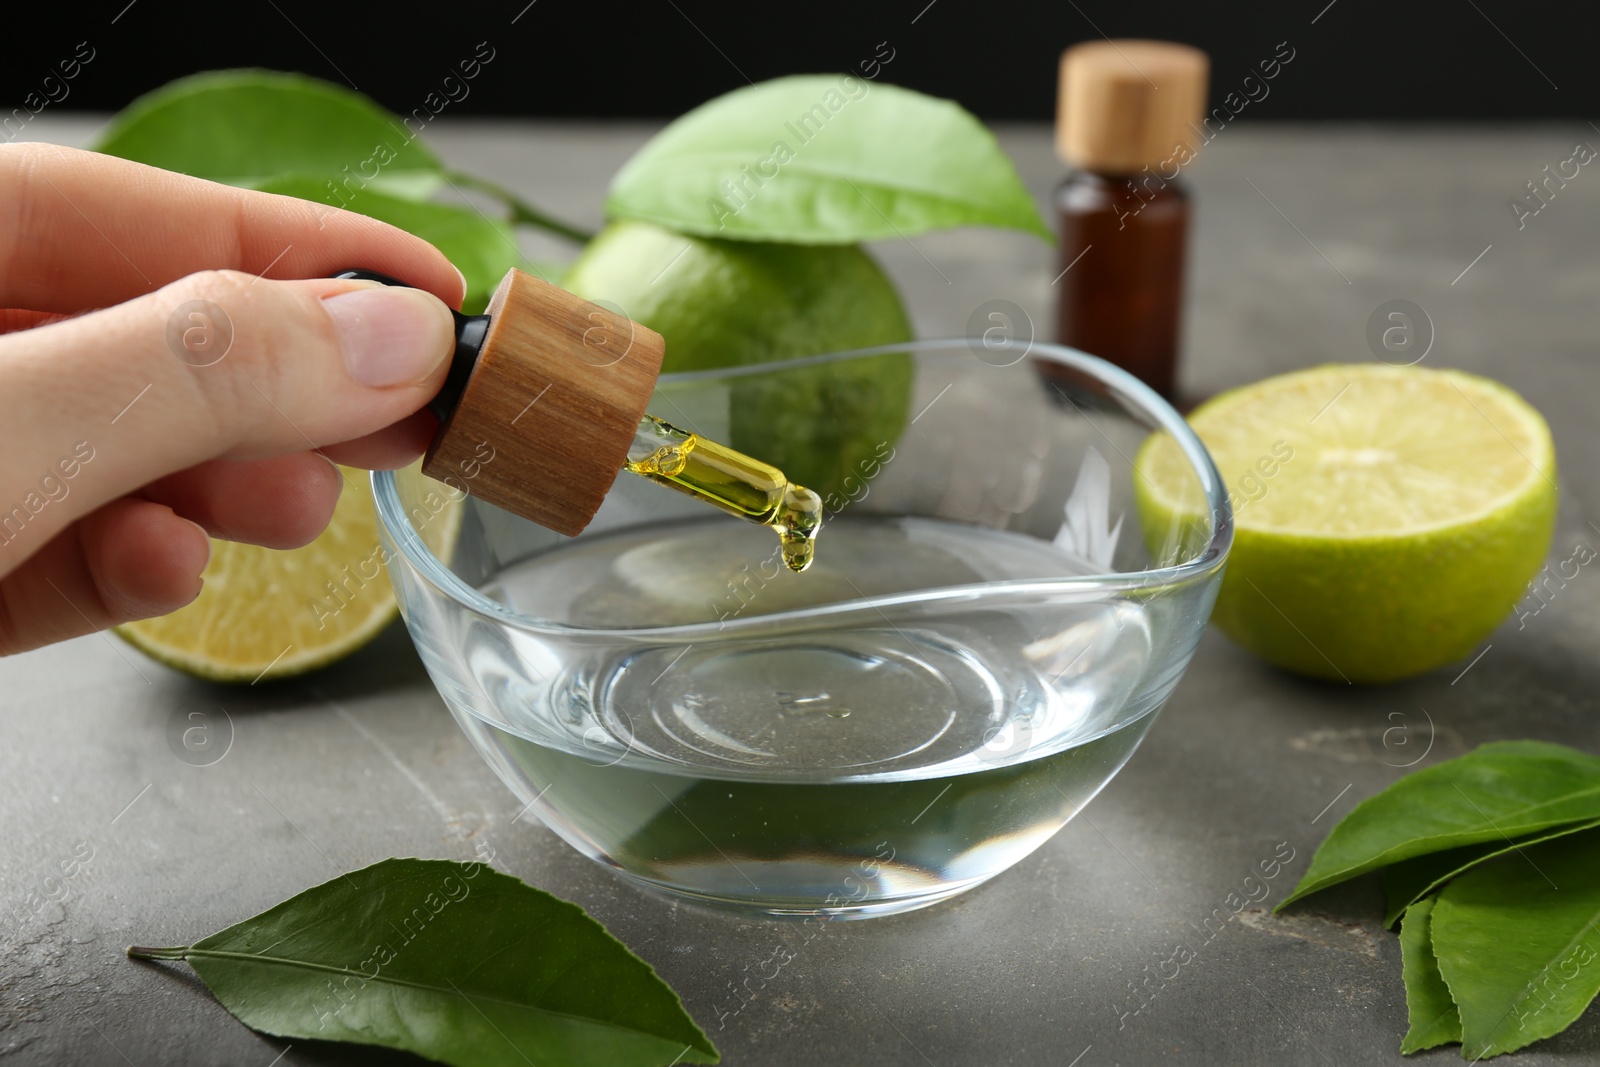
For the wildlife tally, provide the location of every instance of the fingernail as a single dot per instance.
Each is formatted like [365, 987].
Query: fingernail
[463, 278]
[209, 546]
[391, 335]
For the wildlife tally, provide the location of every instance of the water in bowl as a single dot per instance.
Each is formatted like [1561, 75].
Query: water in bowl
[812, 755]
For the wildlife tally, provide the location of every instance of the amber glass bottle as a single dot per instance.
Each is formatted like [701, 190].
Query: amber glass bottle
[1127, 123]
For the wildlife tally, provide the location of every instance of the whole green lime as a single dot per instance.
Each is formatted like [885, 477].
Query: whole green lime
[732, 303]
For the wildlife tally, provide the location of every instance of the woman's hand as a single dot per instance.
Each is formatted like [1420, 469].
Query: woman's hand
[206, 396]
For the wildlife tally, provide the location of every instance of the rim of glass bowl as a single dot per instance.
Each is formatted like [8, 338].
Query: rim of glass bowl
[1133, 393]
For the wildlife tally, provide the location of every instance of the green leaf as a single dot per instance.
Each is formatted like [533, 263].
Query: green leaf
[1498, 791]
[1433, 1015]
[453, 961]
[1409, 881]
[823, 159]
[1518, 942]
[482, 248]
[243, 127]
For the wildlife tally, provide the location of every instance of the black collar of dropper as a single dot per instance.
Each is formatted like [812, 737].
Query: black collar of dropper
[470, 333]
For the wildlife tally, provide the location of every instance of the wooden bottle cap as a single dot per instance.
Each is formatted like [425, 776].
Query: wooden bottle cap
[1126, 105]
[545, 419]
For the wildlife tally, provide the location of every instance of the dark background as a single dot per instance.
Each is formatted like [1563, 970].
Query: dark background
[1359, 59]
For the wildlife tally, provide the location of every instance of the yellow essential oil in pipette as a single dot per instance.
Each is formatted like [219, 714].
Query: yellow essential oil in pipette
[732, 481]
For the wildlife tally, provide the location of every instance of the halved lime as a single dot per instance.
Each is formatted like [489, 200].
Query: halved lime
[1387, 518]
[269, 614]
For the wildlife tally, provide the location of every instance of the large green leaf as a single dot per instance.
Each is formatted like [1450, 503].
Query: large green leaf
[823, 159]
[452, 961]
[242, 127]
[1433, 1015]
[481, 247]
[1518, 943]
[1408, 881]
[1497, 792]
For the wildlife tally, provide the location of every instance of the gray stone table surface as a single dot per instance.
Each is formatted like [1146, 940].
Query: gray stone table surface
[1301, 233]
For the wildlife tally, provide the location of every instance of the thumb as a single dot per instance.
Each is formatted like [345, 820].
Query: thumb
[216, 365]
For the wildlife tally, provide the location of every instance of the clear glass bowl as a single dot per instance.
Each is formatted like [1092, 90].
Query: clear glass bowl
[985, 637]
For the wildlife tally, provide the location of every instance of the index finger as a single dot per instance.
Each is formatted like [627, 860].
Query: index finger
[81, 230]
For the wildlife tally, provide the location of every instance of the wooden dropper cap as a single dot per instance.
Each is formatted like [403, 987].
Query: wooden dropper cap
[541, 402]
[1126, 105]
